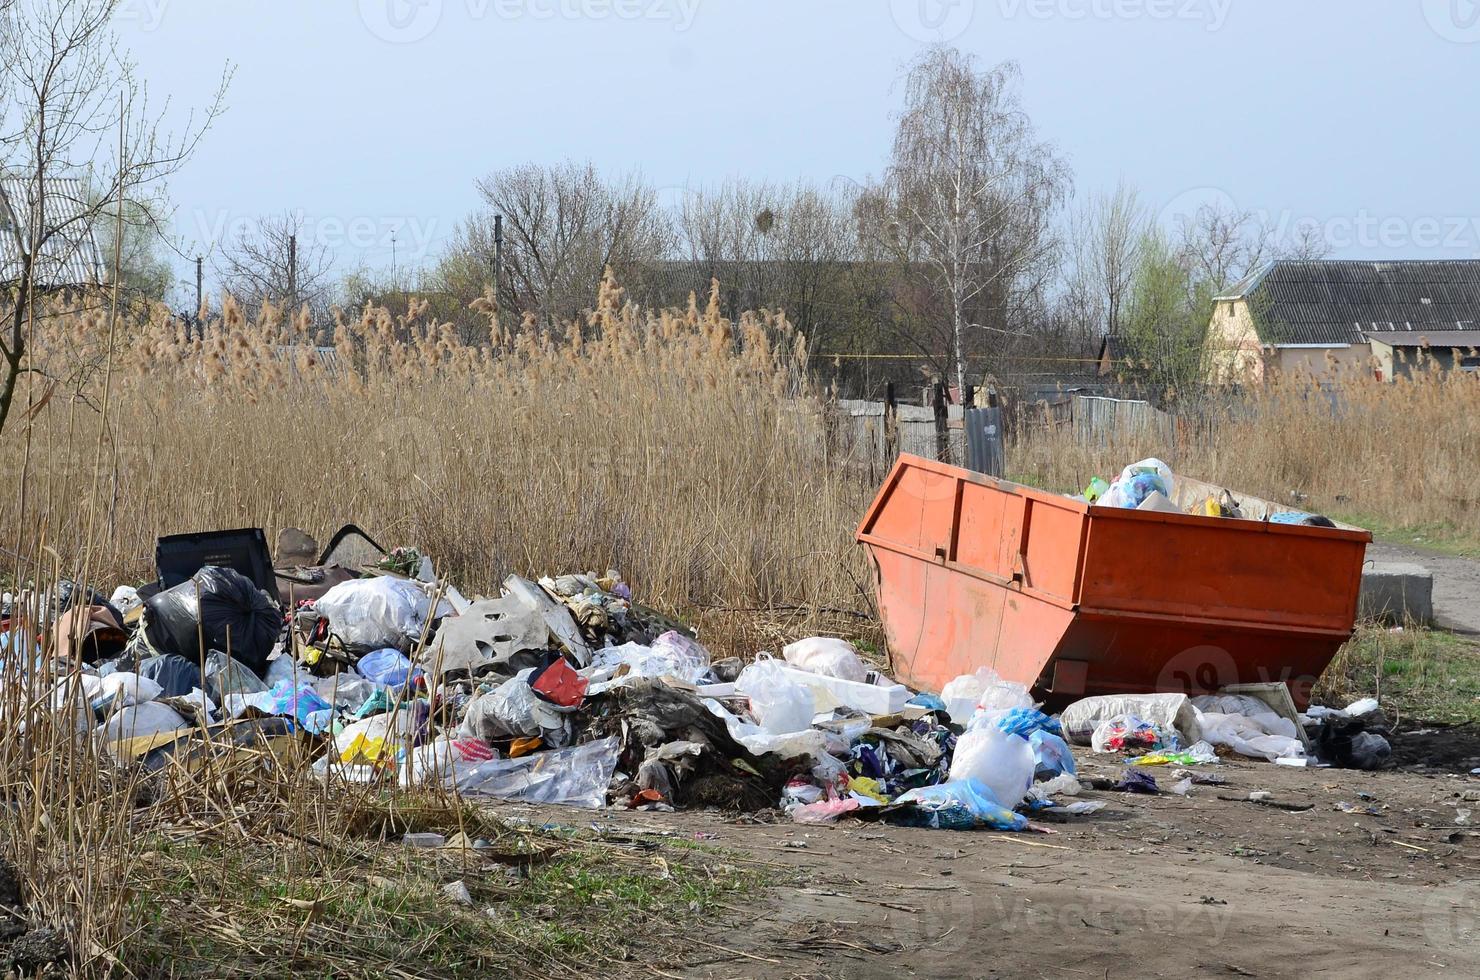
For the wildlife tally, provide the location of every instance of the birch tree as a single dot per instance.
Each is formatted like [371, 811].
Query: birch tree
[966, 204]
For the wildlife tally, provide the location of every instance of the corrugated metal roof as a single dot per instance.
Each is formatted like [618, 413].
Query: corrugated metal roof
[69, 255]
[1338, 302]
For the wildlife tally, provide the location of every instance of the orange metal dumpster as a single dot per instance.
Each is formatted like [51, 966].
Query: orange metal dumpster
[1074, 600]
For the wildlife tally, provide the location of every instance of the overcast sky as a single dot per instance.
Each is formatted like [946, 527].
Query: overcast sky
[374, 117]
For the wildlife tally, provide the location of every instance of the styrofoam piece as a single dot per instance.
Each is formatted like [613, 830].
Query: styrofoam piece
[832, 692]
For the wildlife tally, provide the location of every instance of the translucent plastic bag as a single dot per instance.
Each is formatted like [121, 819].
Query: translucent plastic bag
[1081, 718]
[828, 657]
[671, 655]
[515, 711]
[1003, 762]
[1051, 755]
[345, 691]
[1139, 481]
[1127, 733]
[961, 804]
[225, 676]
[780, 705]
[690, 659]
[374, 613]
[984, 689]
[175, 675]
[569, 777]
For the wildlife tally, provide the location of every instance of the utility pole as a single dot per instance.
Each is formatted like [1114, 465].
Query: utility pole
[498, 258]
[292, 273]
[199, 297]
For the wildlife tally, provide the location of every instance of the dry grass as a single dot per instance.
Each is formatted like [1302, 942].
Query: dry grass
[682, 448]
[677, 447]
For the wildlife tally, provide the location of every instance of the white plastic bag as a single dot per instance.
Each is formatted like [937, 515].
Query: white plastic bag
[779, 705]
[129, 688]
[1003, 762]
[141, 721]
[1266, 736]
[828, 657]
[370, 614]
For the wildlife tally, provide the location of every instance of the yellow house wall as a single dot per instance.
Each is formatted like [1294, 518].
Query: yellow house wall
[1233, 349]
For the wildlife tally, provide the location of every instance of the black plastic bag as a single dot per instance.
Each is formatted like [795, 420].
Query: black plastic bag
[172, 672]
[218, 609]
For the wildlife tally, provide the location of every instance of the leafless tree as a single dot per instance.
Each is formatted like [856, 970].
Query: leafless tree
[563, 227]
[967, 202]
[1221, 245]
[1106, 238]
[771, 246]
[69, 91]
[274, 263]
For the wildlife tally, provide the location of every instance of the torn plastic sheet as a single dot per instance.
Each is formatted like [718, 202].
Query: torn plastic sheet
[569, 777]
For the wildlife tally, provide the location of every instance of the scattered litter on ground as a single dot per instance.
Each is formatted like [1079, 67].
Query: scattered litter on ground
[567, 691]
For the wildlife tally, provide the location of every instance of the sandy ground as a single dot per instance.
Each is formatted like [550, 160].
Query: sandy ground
[1149, 886]
[1456, 583]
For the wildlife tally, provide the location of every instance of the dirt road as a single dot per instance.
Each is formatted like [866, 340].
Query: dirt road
[1456, 583]
[1149, 886]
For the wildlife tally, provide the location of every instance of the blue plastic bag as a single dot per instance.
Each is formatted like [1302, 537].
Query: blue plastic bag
[1052, 754]
[389, 667]
[1025, 721]
[963, 804]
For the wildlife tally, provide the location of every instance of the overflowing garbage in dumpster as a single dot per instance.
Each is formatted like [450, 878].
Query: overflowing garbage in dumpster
[568, 690]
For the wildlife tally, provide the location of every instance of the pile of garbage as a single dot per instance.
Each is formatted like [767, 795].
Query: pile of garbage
[568, 691]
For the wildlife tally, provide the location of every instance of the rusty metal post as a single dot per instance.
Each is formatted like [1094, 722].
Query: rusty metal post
[891, 426]
[942, 428]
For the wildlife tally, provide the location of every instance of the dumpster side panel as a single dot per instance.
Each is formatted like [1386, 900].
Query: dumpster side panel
[1212, 569]
[1053, 540]
[940, 623]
